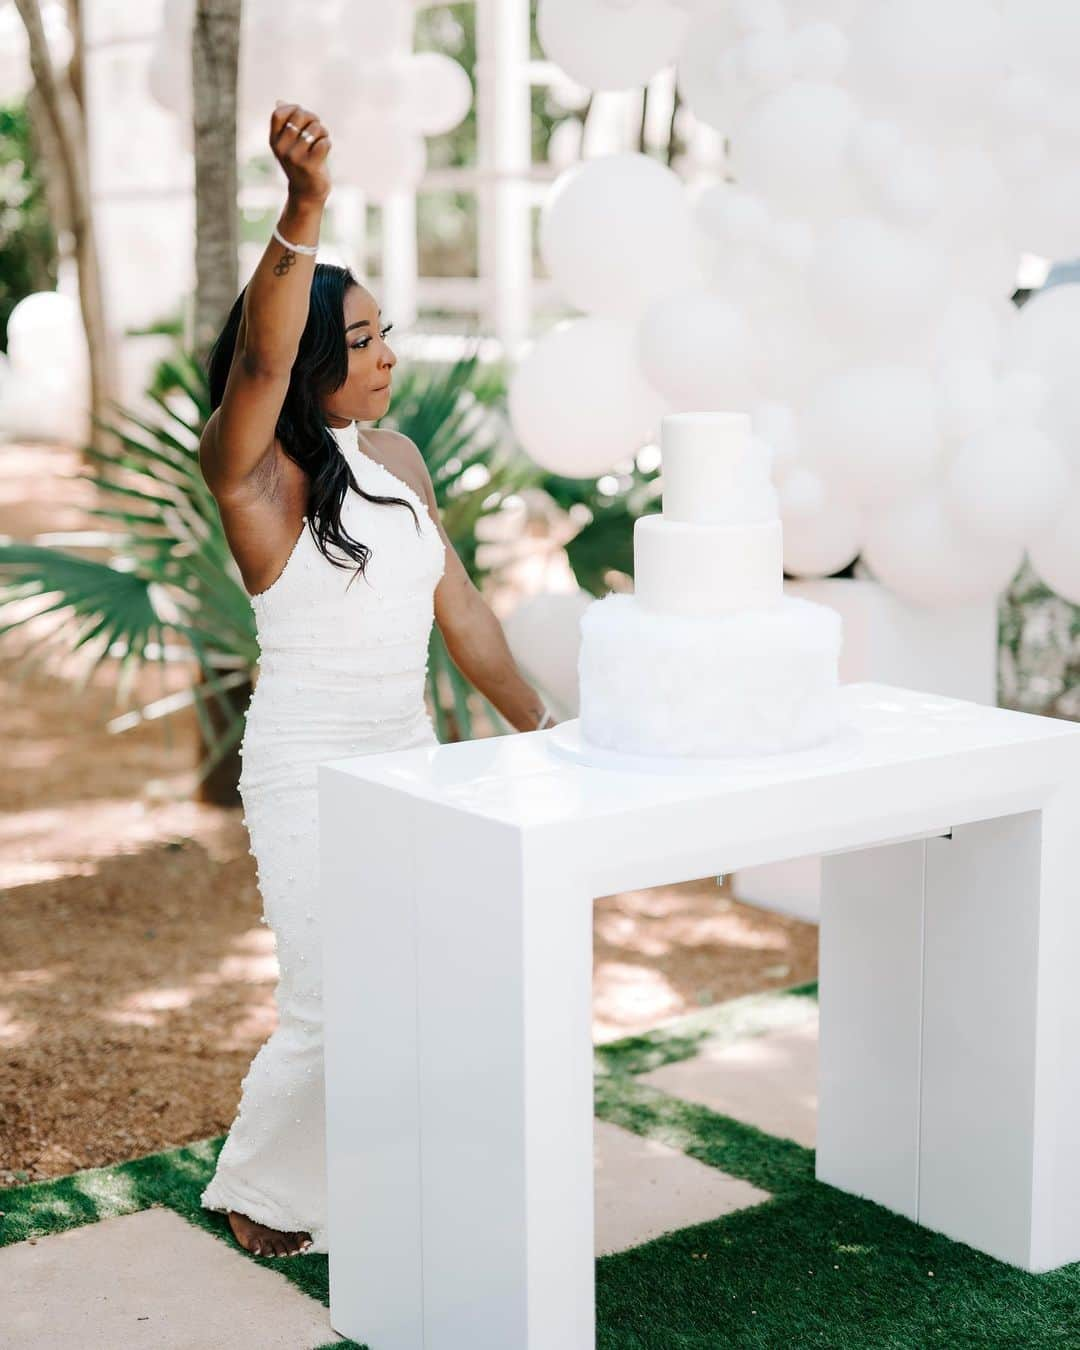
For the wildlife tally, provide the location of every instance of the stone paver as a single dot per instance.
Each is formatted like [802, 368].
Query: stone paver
[645, 1188]
[150, 1279]
[769, 1081]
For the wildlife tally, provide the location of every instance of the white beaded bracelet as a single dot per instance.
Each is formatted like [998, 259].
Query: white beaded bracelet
[309, 249]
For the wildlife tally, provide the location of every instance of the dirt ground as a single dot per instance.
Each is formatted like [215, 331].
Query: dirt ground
[136, 981]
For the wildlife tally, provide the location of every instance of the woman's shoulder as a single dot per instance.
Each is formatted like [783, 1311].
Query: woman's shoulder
[402, 457]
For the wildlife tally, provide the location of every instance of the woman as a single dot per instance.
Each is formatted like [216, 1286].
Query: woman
[338, 539]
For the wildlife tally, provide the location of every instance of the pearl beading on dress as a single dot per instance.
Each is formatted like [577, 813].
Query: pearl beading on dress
[342, 671]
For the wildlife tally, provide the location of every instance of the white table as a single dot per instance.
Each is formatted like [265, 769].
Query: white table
[457, 884]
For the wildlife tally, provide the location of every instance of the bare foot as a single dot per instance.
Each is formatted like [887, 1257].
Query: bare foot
[262, 1241]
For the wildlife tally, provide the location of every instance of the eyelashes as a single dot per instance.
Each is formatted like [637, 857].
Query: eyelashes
[360, 343]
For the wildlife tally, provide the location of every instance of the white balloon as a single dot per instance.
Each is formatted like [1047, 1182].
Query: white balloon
[792, 145]
[917, 549]
[1006, 483]
[757, 16]
[697, 349]
[967, 391]
[1024, 156]
[1055, 554]
[793, 242]
[616, 233]
[1021, 396]
[907, 187]
[802, 493]
[875, 282]
[578, 400]
[925, 58]
[393, 161]
[765, 60]
[973, 327]
[730, 213]
[608, 47]
[821, 541]
[875, 430]
[439, 93]
[1046, 215]
[544, 635]
[775, 424]
[1046, 342]
[839, 12]
[1044, 34]
[820, 51]
[708, 72]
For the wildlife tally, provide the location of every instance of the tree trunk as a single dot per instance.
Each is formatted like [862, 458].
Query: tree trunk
[57, 99]
[215, 53]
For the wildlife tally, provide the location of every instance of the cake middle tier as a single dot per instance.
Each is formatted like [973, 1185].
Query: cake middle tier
[706, 570]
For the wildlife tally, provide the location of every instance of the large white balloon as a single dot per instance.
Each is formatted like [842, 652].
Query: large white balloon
[968, 396]
[819, 50]
[1046, 215]
[616, 233]
[974, 328]
[1006, 483]
[821, 526]
[607, 46]
[1045, 34]
[708, 71]
[926, 58]
[792, 145]
[698, 350]
[1055, 553]
[875, 430]
[544, 635]
[876, 284]
[439, 93]
[578, 400]
[1046, 341]
[919, 551]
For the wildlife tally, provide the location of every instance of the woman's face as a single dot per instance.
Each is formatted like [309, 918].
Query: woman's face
[365, 395]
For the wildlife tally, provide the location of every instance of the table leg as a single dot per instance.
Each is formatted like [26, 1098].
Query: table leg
[950, 1026]
[1001, 1078]
[459, 1111]
[504, 929]
[870, 974]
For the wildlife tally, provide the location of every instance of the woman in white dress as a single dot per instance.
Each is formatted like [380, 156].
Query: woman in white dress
[338, 539]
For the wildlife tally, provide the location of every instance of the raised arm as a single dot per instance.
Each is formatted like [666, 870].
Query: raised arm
[240, 433]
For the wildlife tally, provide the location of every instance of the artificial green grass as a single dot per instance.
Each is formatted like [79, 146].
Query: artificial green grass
[812, 1266]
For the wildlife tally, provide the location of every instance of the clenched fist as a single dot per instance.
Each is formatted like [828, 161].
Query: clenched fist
[301, 143]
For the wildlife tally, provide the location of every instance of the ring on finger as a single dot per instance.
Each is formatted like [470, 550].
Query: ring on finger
[307, 136]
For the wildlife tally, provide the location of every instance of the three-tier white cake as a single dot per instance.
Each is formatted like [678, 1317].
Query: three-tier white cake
[709, 657]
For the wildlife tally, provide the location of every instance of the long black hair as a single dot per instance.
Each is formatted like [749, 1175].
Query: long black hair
[320, 367]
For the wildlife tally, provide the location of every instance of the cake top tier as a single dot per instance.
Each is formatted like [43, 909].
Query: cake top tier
[715, 473]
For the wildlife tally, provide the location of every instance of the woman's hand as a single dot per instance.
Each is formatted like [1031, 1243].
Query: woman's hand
[301, 143]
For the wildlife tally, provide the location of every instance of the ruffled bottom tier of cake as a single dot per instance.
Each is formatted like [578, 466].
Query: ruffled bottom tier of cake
[757, 681]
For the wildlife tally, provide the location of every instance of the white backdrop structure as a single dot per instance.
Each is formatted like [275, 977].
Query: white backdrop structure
[847, 276]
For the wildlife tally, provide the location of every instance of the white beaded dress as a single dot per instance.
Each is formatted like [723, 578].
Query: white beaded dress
[342, 669]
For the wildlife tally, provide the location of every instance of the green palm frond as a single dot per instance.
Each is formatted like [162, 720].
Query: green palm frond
[161, 585]
[456, 417]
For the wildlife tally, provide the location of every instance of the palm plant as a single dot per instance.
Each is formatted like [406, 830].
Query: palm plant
[168, 589]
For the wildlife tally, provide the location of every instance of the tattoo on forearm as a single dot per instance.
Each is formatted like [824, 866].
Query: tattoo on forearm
[283, 264]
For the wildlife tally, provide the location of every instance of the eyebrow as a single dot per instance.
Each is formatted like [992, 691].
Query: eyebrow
[361, 323]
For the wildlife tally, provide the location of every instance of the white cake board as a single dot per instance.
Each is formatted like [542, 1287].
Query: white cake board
[567, 742]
